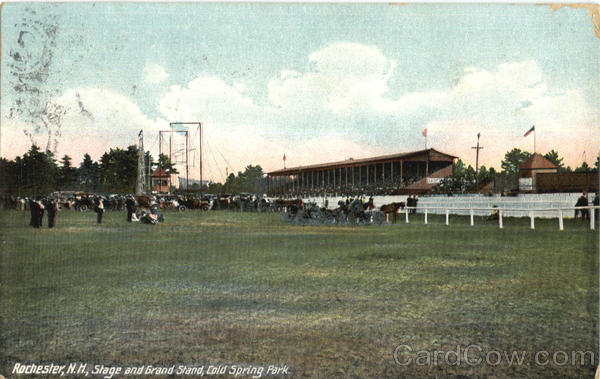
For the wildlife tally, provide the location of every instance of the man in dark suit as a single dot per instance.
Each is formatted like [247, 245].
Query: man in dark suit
[41, 209]
[130, 205]
[34, 212]
[52, 212]
[582, 202]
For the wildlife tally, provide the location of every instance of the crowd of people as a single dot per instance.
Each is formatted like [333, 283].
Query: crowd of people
[145, 208]
[40, 206]
[50, 207]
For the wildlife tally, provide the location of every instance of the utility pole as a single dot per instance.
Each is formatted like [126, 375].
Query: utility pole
[477, 148]
[200, 151]
[141, 182]
[187, 166]
[170, 154]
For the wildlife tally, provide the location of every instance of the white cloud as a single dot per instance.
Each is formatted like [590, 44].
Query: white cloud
[209, 98]
[504, 103]
[154, 73]
[343, 98]
[342, 78]
[94, 121]
[339, 107]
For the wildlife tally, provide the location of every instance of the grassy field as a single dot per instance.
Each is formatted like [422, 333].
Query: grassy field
[246, 288]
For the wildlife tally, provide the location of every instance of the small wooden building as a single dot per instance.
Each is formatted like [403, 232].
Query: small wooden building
[535, 164]
[161, 181]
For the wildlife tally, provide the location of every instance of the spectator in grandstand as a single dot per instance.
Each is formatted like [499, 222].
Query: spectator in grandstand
[582, 202]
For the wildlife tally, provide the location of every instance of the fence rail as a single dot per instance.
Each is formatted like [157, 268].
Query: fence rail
[500, 213]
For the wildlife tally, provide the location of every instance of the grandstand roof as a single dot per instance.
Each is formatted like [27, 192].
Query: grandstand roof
[434, 155]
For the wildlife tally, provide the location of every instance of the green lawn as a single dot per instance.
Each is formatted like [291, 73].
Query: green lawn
[246, 288]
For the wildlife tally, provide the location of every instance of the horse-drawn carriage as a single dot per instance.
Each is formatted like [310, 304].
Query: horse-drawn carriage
[291, 206]
[348, 212]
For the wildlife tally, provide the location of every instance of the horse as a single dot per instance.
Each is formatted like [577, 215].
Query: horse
[393, 209]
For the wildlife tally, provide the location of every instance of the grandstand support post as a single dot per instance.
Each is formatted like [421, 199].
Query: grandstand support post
[592, 218]
[333, 172]
[560, 220]
[447, 217]
[375, 174]
[471, 214]
[406, 214]
[401, 178]
[532, 220]
[346, 176]
[425, 216]
[500, 225]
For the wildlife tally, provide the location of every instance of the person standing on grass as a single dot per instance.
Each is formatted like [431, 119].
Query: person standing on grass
[52, 212]
[41, 208]
[34, 213]
[99, 209]
[582, 202]
[130, 204]
[595, 203]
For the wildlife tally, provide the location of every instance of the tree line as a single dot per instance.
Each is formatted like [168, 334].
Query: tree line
[38, 173]
[466, 179]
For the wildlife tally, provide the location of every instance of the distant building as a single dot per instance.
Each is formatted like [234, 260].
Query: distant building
[160, 181]
[535, 164]
[412, 172]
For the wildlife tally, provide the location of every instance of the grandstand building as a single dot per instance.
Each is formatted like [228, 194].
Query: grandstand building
[413, 172]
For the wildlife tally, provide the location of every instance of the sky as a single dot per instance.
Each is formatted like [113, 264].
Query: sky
[316, 82]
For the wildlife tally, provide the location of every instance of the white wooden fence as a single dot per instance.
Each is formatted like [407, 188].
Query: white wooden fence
[519, 205]
[501, 213]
